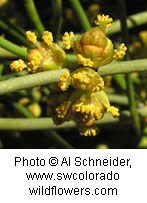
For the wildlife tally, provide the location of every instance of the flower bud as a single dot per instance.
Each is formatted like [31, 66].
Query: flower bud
[94, 45]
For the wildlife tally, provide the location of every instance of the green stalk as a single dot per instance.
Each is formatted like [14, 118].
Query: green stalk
[52, 134]
[22, 110]
[80, 13]
[28, 81]
[7, 28]
[129, 82]
[47, 123]
[33, 15]
[57, 18]
[15, 49]
[120, 67]
[47, 77]
[134, 20]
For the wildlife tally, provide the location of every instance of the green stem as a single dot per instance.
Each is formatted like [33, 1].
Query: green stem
[131, 66]
[80, 13]
[129, 81]
[47, 123]
[132, 21]
[47, 77]
[29, 81]
[118, 99]
[22, 110]
[52, 134]
[33, 15]
[57, 18]
[9, 46]
[4, 54]
[8, 28]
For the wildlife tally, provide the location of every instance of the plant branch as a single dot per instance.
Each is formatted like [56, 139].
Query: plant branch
[28, 124]
[8, 28]
[57, 18]
[80, 13]
[129, 82]
[120, 67]
[31, 80]
[47, 77]
[15, 49]
[33, 15]
[132, 21]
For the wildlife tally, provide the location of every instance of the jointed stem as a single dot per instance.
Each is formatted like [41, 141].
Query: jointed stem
[19, 51]
[80, 14]
[47, 77]
[47, 123]
[129, 82]
[33, 15]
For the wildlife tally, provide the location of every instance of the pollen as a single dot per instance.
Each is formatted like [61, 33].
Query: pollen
[84, 61]
[61, 110]
[88, 131]
[17, 65]
[113, 111]
[120, 52]
[103, 21]
[34, 63]
[64, 81]
[47, 38]
[67, 39]
[31, 37]
[80, 77]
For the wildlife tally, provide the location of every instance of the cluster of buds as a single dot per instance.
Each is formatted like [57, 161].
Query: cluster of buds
[93, 48]
[45, 56]
[87, 103]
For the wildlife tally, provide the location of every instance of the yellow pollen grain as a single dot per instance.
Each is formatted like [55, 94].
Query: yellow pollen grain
[47, 38]
[67, 39]
[31, 37]
[120, 52]
[84, 61]
[103, 21]
[17, 65]
[113, 111]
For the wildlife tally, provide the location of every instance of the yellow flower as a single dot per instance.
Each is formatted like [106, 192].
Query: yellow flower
[45, 56]
[84, 79]
[17, 65]
[68, 39]
[120, 52]
[85, 108]
[103, 21]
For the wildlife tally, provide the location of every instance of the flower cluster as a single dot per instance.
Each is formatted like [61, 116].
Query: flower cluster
[88, 101]
[45, 56]
[93, 48]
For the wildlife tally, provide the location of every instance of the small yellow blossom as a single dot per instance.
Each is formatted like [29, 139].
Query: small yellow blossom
[48, 38]
[17, 65]
[84, 61]
[64, 81]
[34, 60]
[88, 131]
[87, 79]
[31, 37]
[113, 111]
[120, 52]
[103, 21]
[68, 39]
